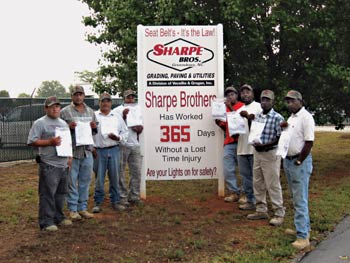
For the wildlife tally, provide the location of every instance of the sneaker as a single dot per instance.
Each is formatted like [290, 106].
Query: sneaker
[51, 228]
[247, 206]
[86, 214]
[124, 203]
[276, 221]
[231, 198]
[258, 216]
[242, 200]
[65, 222]
[74, 216]
[96, 209]
[118, 207]
[301, 243]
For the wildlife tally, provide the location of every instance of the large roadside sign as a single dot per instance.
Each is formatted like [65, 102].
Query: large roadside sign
[180, 73]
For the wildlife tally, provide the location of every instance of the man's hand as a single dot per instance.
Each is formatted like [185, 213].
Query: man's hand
[217, 122]
[284, 124]
[94, 153]
[251, 117]
[138, 129]
[125, 112]
[69, 163]
[93, 125]
[72, 125]
[55, 141]
[114, 137]
[244, 114]
[259, 147]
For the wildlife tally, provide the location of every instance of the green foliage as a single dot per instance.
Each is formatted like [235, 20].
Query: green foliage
[23, 95]
[280, 45]
[4, 94]
[52, 88]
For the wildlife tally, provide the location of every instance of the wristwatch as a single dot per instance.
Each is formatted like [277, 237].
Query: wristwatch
[297, 162]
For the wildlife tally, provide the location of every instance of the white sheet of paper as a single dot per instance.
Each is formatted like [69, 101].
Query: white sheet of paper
[65, 149]
[218, 109]
[256, 130]
[283, 144]
[83, 134]
[109, 125]
[235, 123]
[134, 116]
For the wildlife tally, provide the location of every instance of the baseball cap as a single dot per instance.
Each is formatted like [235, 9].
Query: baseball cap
[230, 89]
[105, 95]
[51, 101]
[293, 94]
[267, 94]
[129, 92]
[77, 89]
[246, 86]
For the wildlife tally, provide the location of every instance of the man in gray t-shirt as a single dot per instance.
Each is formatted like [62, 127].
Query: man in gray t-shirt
[53, 169]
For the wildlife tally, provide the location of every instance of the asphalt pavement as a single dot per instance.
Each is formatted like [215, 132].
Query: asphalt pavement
[334, 249]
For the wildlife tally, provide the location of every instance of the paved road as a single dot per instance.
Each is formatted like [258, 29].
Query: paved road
[335, 249]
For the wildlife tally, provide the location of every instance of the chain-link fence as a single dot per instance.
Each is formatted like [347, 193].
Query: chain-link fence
[16, 118]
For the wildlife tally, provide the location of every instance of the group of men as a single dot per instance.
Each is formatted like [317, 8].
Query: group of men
[259, 164]
[63, 178]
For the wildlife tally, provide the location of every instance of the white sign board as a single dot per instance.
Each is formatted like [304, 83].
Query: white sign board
[180, 73]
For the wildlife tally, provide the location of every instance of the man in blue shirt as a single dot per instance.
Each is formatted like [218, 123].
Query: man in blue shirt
[266, 168]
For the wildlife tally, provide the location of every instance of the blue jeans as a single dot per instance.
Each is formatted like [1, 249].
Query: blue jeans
[79, 183]
[230, 160]
[245, 164]
[298, 180]
[107, 160]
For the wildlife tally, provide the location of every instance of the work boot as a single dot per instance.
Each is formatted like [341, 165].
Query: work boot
[242, 200]
[74, 216]
[276, 221]
[231, 198]
[66, 222]
[258, 216]
[301, 243]
[85, 214]
[247, 206]
[51, 228]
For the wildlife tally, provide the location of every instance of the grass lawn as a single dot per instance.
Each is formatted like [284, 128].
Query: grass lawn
[181, 221]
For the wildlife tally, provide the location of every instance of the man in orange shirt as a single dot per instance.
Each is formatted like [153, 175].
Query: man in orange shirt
[230, 147]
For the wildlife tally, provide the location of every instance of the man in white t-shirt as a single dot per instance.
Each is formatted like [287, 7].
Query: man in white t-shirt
[112, 132]
[298, 165]
[244, 150]
[131, 151]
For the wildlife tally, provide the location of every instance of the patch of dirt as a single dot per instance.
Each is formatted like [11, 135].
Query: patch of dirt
[165, 229]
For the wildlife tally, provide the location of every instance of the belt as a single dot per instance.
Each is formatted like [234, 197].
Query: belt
[293, 156]
[107, 147]
[270, 149]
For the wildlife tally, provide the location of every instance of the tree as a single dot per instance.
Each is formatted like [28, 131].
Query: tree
[273, 44]
[51, 88]
[23, 95]
[4, 94]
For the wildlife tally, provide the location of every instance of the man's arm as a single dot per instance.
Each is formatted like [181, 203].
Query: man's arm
[305, 151]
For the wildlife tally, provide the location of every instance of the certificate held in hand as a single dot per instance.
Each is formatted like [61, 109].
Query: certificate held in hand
[65, 148]
[83, 134]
